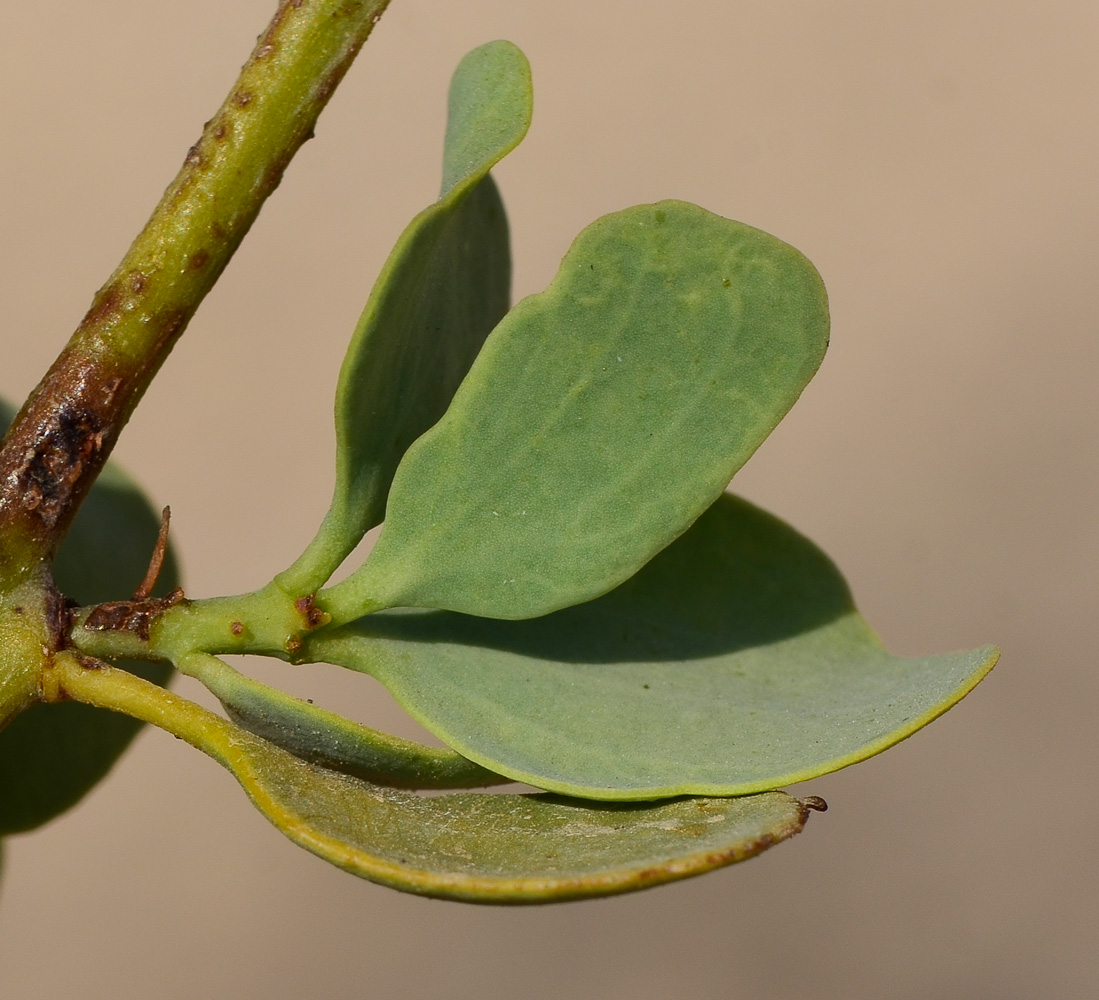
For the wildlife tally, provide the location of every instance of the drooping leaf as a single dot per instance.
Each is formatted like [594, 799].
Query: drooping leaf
[325, 738]
[51, 755]
[601, 418]
[732, 663]
[445, 286]
[476, 847]
[511, 848]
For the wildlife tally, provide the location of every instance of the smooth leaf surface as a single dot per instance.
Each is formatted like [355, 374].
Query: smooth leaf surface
[601, 418]
[321, 737]
[51, 755]
[477, 847]
[734, 662]
[445, 286]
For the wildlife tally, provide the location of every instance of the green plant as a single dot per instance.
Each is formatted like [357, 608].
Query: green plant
[560, 590]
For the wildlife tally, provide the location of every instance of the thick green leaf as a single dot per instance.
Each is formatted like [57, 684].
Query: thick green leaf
[51, 755]
[601, 418]
[478, 847]
[734, 662]
[445, 286]
[510, 848]
[322, 737]
[489, 109]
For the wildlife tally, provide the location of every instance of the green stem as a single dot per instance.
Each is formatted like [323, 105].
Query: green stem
[25, 616]
[59, 441]
[266, 622]
[120, 691]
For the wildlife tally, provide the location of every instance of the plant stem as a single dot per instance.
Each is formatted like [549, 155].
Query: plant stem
[65, 431]
[267, 622]
[25, 615]
[120, 691]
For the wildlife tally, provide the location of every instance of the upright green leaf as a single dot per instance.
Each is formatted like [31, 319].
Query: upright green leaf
[51, 755]
[445, 286]
[732, 663]
[601, 418]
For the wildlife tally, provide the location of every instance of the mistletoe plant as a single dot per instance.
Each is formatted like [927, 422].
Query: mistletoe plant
[561, 590]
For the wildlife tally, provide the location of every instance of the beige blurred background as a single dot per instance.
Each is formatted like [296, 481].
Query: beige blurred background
[936, 160]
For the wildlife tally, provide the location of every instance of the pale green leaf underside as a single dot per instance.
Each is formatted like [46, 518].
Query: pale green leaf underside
[734, 662]
[513, 848]
[501, 848]
[478, 847]
[445, 285]
[325, 738]
[52, 755]
[600, 419]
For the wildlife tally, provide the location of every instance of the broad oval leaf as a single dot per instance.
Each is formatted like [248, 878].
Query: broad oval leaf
[321, 737]
[601, 418]
[476, 847]
[734, 662]
[445, 286]
[51, 755]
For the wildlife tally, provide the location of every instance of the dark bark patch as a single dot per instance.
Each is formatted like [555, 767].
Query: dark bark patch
[131, 616]
[59, 615]
[66, 448]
